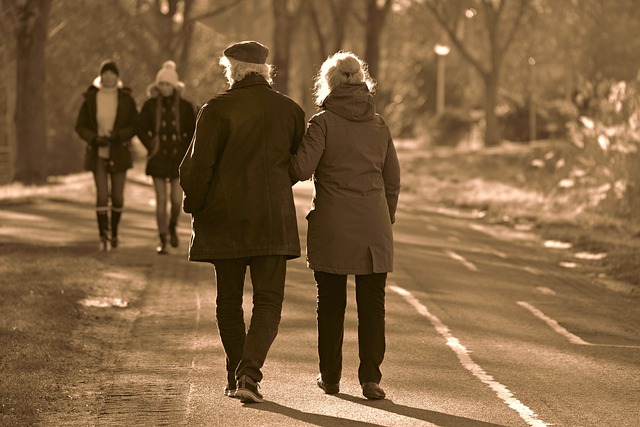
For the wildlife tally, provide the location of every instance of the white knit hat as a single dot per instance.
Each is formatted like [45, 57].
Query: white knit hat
[167, 74]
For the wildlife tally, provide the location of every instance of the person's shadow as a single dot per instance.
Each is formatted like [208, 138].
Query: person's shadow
[433, 417]
[438, 418]
[307, 417]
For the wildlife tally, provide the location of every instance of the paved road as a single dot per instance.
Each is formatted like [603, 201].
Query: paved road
[484, 328]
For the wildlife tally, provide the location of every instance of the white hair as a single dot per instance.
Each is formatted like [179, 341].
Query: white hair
[340, 68]
[237, 70]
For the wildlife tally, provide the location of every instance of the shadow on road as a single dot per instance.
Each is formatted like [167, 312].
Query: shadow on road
[437, 418]
[316, 419]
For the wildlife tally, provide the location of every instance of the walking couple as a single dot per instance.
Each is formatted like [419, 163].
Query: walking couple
[249, 147]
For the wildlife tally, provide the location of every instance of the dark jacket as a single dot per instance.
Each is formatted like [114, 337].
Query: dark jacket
[235, 174]
[165, 159]
[124, 129]
[350, 153]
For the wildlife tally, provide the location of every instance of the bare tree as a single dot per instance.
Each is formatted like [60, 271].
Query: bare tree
[501, 20]
[287, 15]
[377, 12]
[330, 38]
[166, 27]
[29, 22]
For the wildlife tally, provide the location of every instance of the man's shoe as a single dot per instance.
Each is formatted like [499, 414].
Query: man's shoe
[230, 391]
[373, 391]
[326, 387]
[248, 390]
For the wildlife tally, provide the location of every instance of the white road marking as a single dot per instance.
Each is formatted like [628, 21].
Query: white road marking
[544, 290]
[471, 266]
[533, 271]
[562, 331]
[486, 250]
[553, 324]
[501, 391]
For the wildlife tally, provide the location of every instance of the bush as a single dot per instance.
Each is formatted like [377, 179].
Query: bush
[451, 127]
[609, 143]
[551, 118]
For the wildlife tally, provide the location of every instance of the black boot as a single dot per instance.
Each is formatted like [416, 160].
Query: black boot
[161, 249]
[103, 226]
[174, 234]
[115, 220]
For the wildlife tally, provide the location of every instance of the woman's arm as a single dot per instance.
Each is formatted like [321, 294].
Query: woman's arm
[146, 128]
[391, 177]
[83, 129]
[304, 162]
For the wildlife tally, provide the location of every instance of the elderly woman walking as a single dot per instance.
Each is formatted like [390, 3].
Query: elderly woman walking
[350, 153]
[167, 122]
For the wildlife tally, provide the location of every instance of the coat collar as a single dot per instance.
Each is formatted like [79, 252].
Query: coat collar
[249, 80]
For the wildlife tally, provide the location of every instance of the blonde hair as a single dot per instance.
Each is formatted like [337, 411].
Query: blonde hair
[237, 70]
[340, 68]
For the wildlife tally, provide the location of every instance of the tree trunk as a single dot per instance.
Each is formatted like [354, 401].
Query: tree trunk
[492, 129]
[281, 45]
[376, 17]
[7, 125]
[31, 36]
[375, 22]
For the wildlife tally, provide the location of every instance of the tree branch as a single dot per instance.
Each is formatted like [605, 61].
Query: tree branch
[217, 11]
[455, 40]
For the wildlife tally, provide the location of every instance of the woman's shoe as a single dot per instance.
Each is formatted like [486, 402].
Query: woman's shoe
[104, 245]
[162, 249]
[114, 242]
[174, 240]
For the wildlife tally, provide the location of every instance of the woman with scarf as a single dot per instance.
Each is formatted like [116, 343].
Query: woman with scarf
[167, 123]
[107, 121]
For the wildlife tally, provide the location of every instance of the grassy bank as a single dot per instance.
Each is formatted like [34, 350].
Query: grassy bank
[521, 186]
[51, 343]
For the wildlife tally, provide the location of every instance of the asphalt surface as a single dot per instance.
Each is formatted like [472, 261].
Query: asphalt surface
[484, 328]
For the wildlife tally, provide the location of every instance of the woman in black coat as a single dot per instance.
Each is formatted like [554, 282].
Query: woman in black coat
[166, 125]
[107, 121]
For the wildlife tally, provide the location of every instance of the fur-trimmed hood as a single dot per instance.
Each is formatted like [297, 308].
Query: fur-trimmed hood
[96, 85]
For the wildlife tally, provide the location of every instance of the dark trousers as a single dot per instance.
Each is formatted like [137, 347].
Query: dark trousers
[332, 302]
[247, 351]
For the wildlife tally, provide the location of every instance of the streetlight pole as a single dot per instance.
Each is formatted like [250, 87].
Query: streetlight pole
[533, 125]
[441, 50]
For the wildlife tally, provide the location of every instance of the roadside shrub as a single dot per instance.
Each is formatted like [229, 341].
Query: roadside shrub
[609, 145]
[450, 128]
[551, 118]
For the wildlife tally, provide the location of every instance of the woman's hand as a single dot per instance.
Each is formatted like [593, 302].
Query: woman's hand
[155, 147]
[103, 141]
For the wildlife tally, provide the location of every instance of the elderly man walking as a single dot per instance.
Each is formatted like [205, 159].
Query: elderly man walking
[237, 189]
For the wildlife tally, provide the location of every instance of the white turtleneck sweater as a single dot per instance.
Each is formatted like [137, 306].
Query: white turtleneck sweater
[107, 108]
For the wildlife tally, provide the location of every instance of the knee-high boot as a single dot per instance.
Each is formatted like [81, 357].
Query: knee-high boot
[103, 226]
[175, 241]
[116, 213]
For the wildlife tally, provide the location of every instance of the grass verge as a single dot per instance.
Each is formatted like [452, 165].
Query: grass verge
[49, 341]
[517, 185]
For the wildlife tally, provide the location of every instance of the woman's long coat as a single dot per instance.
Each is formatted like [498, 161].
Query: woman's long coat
[235, 174]
[165, 159]
[349, 150]
[124, 128]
